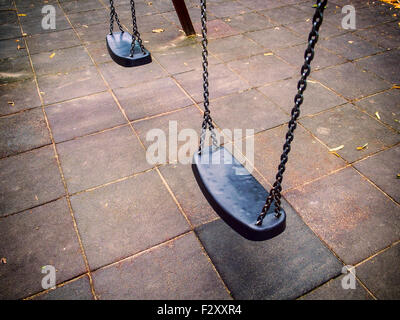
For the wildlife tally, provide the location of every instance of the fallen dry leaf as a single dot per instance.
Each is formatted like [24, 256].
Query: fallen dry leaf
[377, 115]
[52, 55]
[398, 176]
[337, 148]
[268, 54]
[157, 30]
[395, 86]
[362, 147]
[3, 260]
[11, 103]
[21, 14]
[336, 154]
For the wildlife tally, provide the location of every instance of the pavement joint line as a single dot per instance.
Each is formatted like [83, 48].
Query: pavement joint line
[377, 253]
[60, 285]
[122, 111]
[57, 158]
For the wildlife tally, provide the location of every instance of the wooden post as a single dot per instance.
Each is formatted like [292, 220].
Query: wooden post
[184, 18]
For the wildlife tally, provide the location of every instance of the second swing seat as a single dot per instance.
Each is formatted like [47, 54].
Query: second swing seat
[235, 195]
[119, 48]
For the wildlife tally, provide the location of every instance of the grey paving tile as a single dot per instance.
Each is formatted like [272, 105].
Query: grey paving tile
[287, 14]
[316, 97]
[177, 270]
[327, 29]
[22, 132]
[381, 274]
[78, 6]
[52, 41]
[222, 81]
[275, 38]
[382, 169]
[301, 167]
[349, 81]
[247, 110]
[183, 184]
[87, 18]
[21, 186]
[64, 60]
[262, 69]
[226, 9]
[15, 69]
[74, 290]
[10, 31]
[384, 65]
[32, 23]
[217, 28]
[171, 125]
[98, 51]
[333, 290]
[83, 116]
[194, 13]
[383, 35]
[387, 104]
[97, 159]
[163, 5]
[147, 23]
[250, 21]
[284, 267]
[350, 46]
[69, 85]
[182, 59]
[33, 239]
[140, 208]
[323, 58]
[12, 48]
[18, 96]
[172, 37]
[118, 76]
[354, 218]
[95, 32]
[140, 101]
[262, 4]
[352, 128]
[235, 47]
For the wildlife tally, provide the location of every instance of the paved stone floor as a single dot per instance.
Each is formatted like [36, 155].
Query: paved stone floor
[76, 191]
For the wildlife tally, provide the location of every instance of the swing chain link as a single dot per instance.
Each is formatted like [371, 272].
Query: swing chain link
[207, 120]
[275, 192]
[113, 14]
[135, 31]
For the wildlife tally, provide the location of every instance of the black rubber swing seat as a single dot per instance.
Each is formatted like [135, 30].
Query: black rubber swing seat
[235, 195]
[119, 48]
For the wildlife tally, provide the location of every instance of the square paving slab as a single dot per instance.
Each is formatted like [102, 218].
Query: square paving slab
[284, 267]
[348, 126]
[349, 81]
[317, 98]
[21, 187]
[83, 116]
[22, 132]
[333, 290]
[382, 169]
[382, 274]
[308, 158]
[18, 96]
[74, 290]
[33, 239]
[354, 218]
[176, 270]
[126, 217]
[140, 101]
[387, 104]
[101, 158]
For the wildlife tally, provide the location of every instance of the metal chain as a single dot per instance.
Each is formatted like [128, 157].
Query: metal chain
[135, 31]
[113, 14]
[207, 120]
[275, 192]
